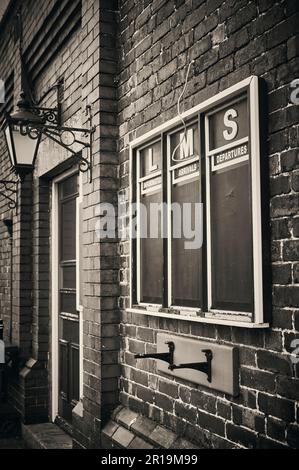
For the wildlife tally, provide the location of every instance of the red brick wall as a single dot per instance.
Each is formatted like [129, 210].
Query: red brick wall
[229, 40]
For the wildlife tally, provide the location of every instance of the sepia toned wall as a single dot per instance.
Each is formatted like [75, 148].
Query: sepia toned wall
[128, 59]
[74, 26]
[229, 41]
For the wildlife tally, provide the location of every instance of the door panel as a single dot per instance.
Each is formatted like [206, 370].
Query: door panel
[63, 376]
[68, 324]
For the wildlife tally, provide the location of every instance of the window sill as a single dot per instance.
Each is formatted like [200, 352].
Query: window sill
[198, 319]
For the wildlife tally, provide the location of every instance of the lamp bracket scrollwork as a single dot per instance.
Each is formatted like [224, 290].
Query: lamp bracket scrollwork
[66, 137]
[9, 190]
[51, 115]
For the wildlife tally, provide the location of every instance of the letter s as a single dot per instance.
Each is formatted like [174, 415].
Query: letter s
[230, 113]
[295, 93]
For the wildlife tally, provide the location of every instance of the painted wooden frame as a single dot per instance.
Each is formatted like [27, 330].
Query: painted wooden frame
[249, 86]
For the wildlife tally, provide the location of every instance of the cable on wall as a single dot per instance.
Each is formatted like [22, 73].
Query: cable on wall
[180, 114]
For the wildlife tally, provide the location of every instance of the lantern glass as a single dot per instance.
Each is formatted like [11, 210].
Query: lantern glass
[9, 145]
[22, 148]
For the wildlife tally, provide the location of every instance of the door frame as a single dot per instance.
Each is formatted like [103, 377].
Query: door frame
[55, 289]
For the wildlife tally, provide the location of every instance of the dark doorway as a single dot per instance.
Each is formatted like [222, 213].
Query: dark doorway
[68, 321]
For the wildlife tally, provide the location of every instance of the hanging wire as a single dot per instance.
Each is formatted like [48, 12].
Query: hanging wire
[180, 114]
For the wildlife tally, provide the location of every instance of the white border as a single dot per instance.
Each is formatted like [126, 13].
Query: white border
[170, 182]
[217, 150]
[140, 192]
[152, 189]
[169, 221]
[256, 200]
[198, 319]
[208, 215]
[138, 242]
[254, 143]
[229, 163]
[189, 176]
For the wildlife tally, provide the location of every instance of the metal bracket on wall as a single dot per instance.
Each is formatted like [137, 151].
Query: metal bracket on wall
[9, 190]
[221, 363]
[163, 356]
[205, 367]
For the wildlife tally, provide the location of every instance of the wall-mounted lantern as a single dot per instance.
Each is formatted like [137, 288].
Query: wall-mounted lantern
[25, 128]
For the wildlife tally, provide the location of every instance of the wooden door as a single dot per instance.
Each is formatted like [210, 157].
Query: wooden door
[68, 317]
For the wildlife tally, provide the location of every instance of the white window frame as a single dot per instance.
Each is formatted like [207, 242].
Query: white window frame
[139, 181]
[238, 319]
[170, 180]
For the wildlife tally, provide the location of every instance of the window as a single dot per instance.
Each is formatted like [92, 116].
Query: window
[196, 213]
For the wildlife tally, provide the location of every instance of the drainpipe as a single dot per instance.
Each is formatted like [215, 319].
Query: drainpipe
[9, 226]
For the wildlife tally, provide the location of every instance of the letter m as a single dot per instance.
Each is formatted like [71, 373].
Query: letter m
[187, 144]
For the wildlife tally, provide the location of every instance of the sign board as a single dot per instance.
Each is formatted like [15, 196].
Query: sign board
[227, 134]
[213, 158]
[230, 250]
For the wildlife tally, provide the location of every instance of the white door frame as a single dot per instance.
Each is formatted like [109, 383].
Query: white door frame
[55, 290]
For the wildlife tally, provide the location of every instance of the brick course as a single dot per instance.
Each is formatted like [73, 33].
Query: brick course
[229, 42]
[129, 61]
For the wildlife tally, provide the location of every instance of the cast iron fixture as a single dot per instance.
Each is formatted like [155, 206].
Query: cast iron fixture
[25, 128]
[205, 367]
[9, 191]
[166, 356]
[9, 225]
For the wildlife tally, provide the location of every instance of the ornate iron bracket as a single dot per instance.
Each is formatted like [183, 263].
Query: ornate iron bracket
[205, 367]
[34, 121]
[50, 115]
[166, 356]
[66, 137]
[9, 192]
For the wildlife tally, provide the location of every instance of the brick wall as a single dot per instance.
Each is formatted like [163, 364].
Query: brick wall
[100, 263]
[5, 256]
[229, 40]
[78, 63]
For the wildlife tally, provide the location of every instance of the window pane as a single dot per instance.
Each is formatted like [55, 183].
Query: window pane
[69, 187]
[74, 373]
[69, 277]
[216, 124]
[186, 263]
[69, 330]
[231, 243]
[184, 145]
[68, 230]
[68, 302]
[150, 159]
[151, 254]
[186, 220]
[63, 368]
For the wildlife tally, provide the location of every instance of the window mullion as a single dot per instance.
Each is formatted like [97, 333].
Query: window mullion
[165, 228]
[204, 186]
